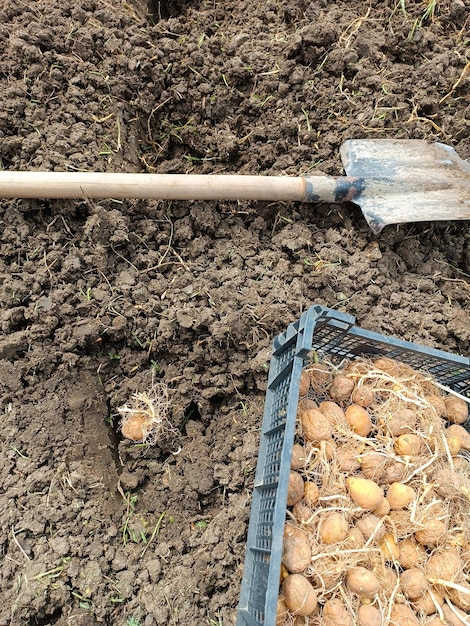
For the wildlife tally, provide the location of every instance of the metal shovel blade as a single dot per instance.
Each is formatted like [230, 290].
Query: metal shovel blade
[409, 180]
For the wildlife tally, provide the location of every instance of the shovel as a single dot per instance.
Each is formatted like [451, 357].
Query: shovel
[394, 181]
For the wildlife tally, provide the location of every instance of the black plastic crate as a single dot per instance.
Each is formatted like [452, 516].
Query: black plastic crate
[328, 333]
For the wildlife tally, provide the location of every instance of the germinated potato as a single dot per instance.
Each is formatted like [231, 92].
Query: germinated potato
[432, 534]
[408, 445]
[383, 509]
[334, 413]
[370, 525]
[327, 448]
[373, 465]
[426, 604]
[304, 405]
[359, 419]
[296, 550]
[365, 492]
[362, 582]
[299, 456]
[448, 482]
[311, 493]
[341, 388]
[400, 495]
[453, 440]
[461, 619]
[456, 409]
[136, 427]
[395, 472]
[320, 376]
[389, 548]
[388, 579]
[347, 458]
[400, 423]
[445, 564]
[403, 615]
[282, 613]
[299, 595]
[369, 615]
[438, 404]
[389, 366]
[413, 583]
[354, 539]
[295, 490]
[303, 515]
[333, 527]
[363, 395]
[462, 433]
[460, 597]
[334, 613]
[315, 426]
[410, 553]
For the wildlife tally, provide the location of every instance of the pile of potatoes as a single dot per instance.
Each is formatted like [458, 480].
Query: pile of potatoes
[378, 519]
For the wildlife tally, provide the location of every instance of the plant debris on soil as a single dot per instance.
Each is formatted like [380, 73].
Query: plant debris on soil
[99, 300]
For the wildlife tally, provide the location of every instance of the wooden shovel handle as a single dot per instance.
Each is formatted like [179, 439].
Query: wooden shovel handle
[96, 185]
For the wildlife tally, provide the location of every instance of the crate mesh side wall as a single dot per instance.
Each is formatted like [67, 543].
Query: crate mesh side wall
[266, 491]
[332, 343]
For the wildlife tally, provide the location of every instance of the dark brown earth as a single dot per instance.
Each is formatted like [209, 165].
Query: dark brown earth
[99, 298]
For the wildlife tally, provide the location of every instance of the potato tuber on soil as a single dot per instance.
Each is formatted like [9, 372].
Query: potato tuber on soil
[145, 418]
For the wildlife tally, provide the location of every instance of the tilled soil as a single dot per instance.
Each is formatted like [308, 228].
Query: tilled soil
[103, 299]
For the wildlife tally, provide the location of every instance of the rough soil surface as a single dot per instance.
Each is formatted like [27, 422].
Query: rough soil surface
[99, 299]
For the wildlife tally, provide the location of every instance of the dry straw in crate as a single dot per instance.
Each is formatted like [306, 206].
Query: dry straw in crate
[335, 441]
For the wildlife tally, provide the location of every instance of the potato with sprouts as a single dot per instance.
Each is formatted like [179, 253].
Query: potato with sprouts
[295, 489]
[304, 383]
[403, 615]
[365, 492]
[371, 526]
[456, 409]
[389, 547]
[334, 613]
[363, 395]
[462, 433]
[296, 551]
[432, 533]
[359, 419]
[334, 413]
[362, 582]
[333, 527]
[410, 553]
[311, 493]
[320, 375]
[413, 583]
[341, 388]
[315, 426]
[145, 418]
[400, 495]
[299, 456]
[408, 444]
[369, 615]
[299, 595]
